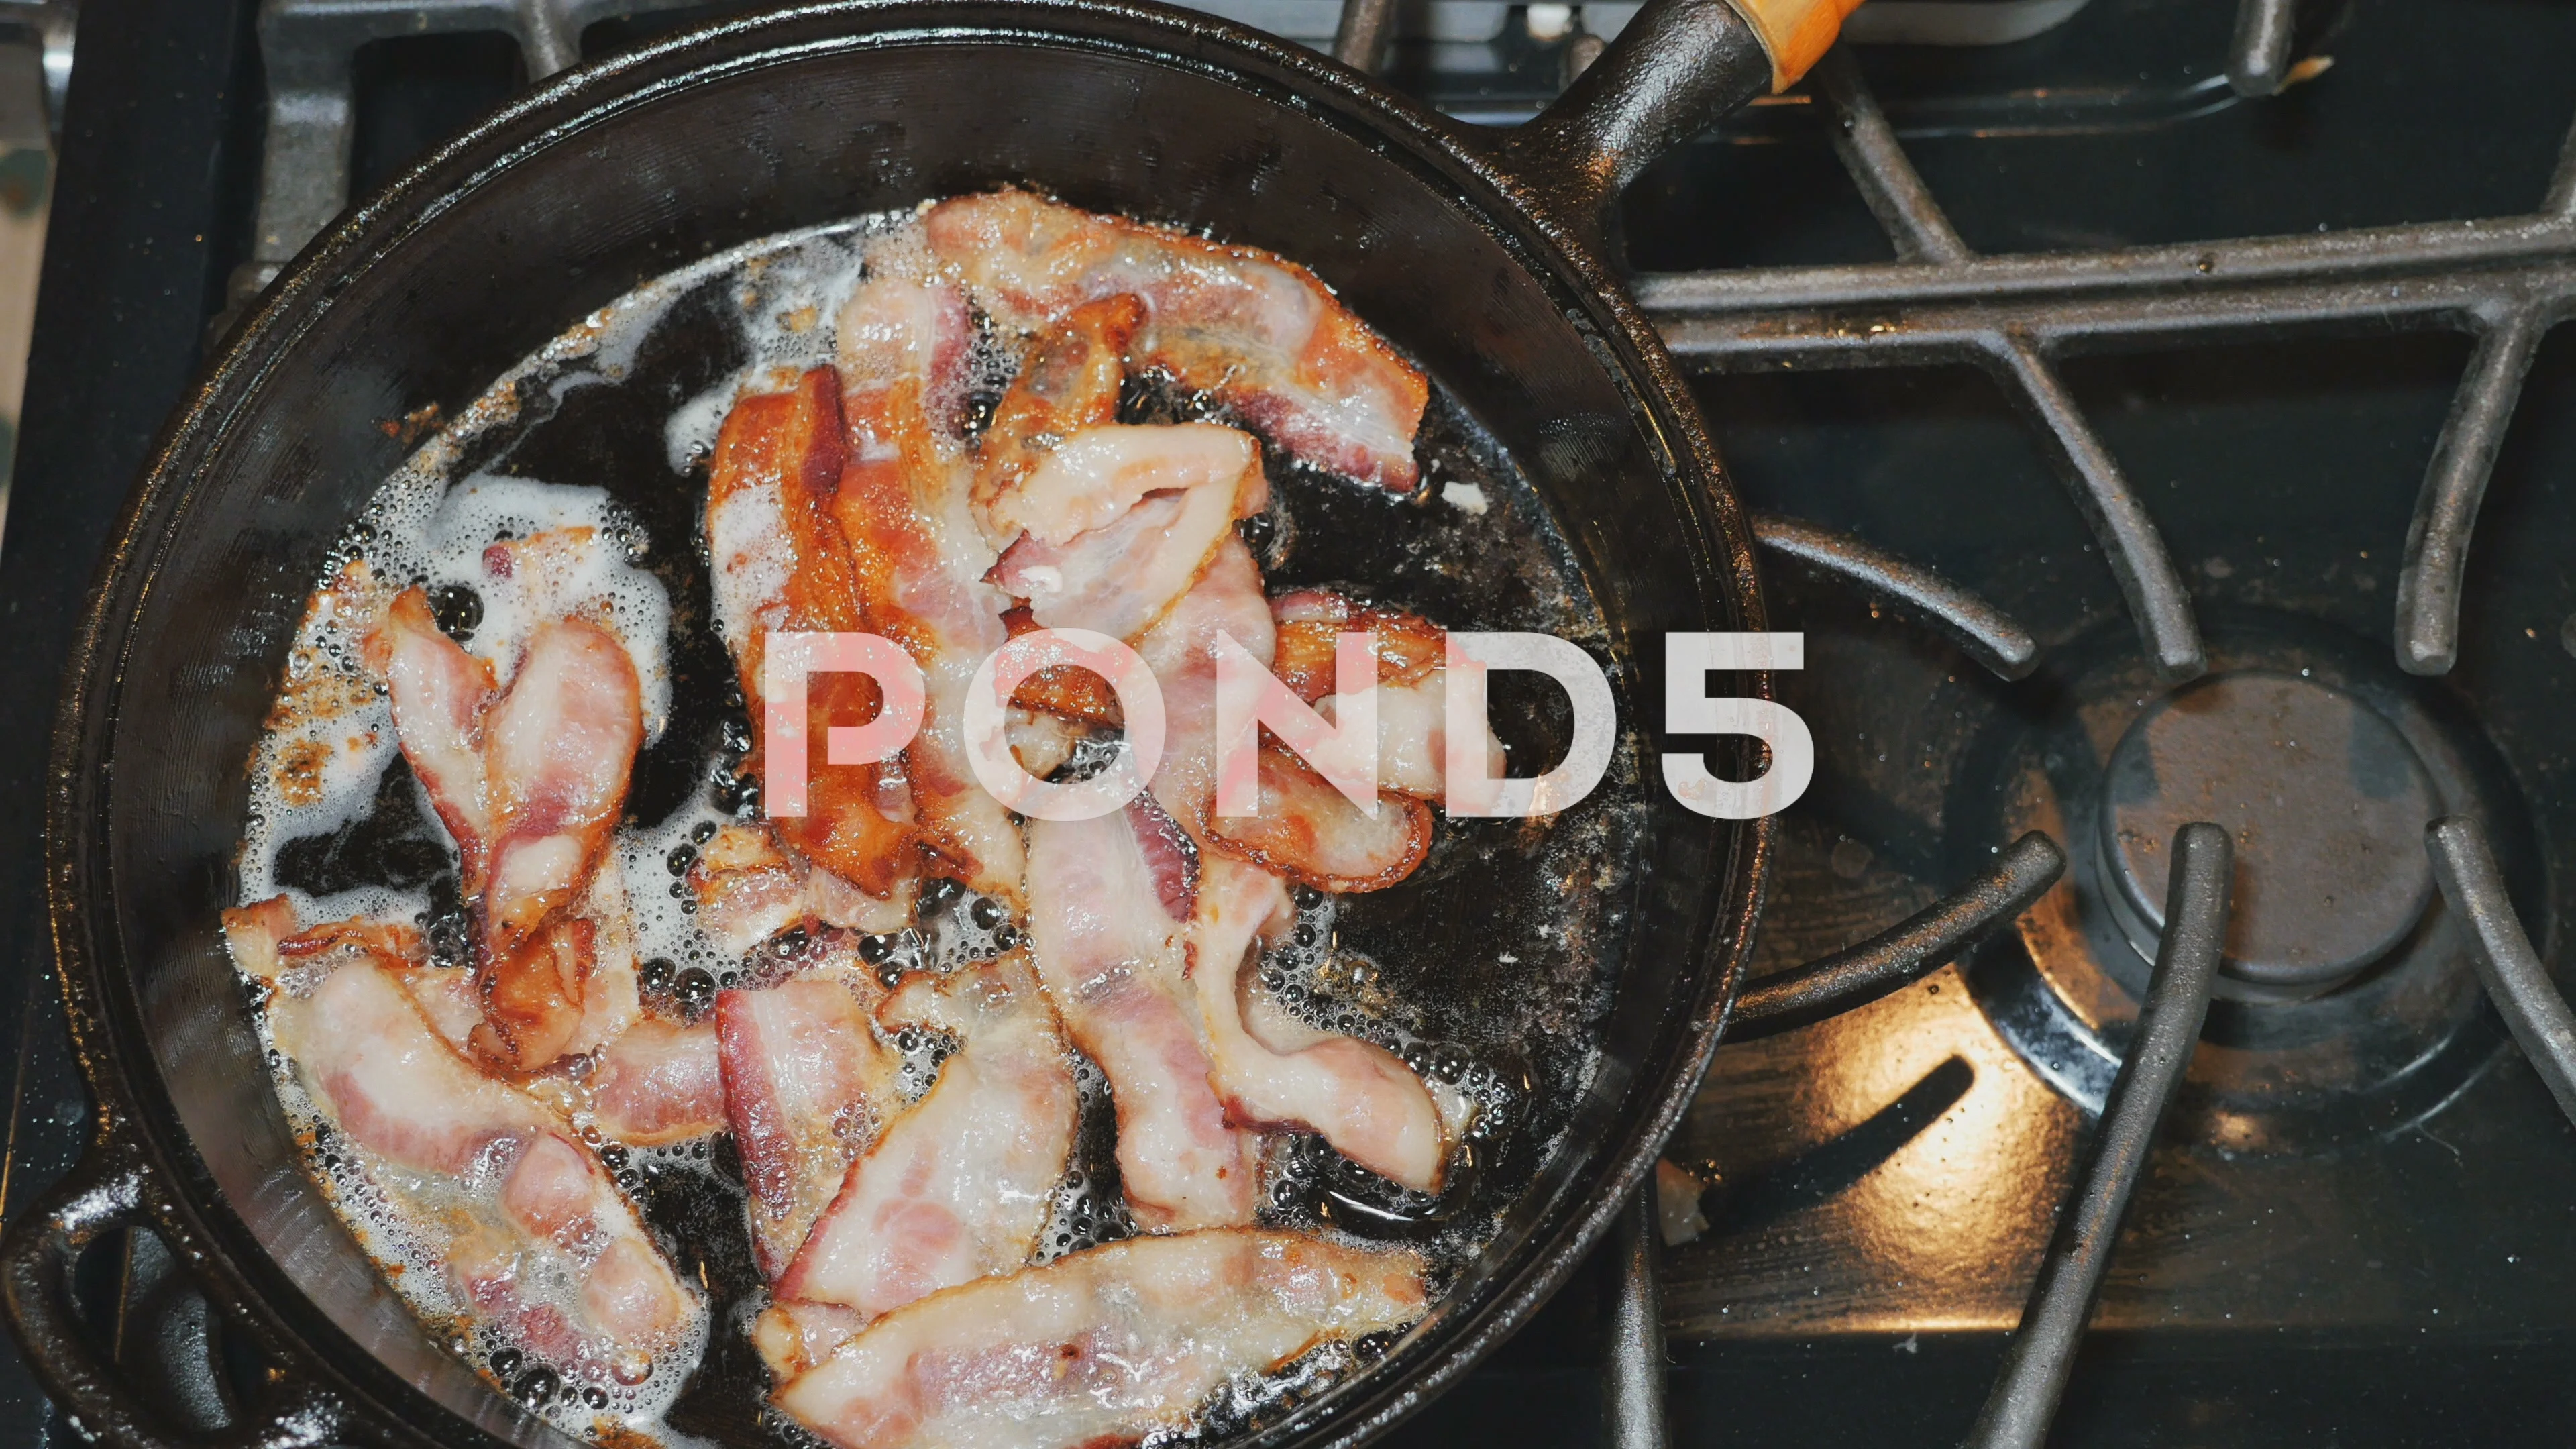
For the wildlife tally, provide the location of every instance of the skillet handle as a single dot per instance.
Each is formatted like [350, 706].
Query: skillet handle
[1678, 66]
[1795, 33]
[111, 1188]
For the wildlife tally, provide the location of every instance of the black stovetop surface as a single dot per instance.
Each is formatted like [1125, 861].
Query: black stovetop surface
[1885, 1182]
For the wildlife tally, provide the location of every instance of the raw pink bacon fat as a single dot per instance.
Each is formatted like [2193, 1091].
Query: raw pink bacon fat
[660, 1083]
[807, 1087]
[960, 1185]
[529, 782]
[539, 1241]
[1260, 332]
[1103, 1347]
[1111, 954]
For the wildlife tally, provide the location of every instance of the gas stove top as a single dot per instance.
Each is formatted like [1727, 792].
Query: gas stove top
[1969, 329]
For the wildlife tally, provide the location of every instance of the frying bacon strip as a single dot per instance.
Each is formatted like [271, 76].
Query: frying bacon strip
[1408, 647]
[1413, 738]
[1260, 333]
[541, 1244]
[530, 785]
[531, 1000]
[274, 936]
[1360, 1097]
[1139, 513]
[1105, 921]
[1412, 704]
[439, 695]
[807, 1088]
[660, 1083]
[904, 505]
[1099, 1347]
[1181, 650]
[749, 890]
[1306, 829]
[781, 563]
[456, 1004]
[1093, 477]
[1069, 383]
[1061, 690]
[446, 997]
[1311, 833]
[557, 748]
[960, 1186]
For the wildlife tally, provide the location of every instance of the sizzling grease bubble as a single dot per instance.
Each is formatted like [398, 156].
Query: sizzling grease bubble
[1088, 1209]
[694, 989]
[957, 927]
[918, 1053]
[458, 609]
[665, 918]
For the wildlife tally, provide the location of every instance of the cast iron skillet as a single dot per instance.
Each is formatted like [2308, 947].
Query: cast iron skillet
[1483, 255]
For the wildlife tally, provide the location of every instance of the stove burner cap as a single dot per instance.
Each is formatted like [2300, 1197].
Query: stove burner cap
[2327, 805]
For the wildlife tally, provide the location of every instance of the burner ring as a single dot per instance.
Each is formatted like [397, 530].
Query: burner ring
[2327, 804]
[2302, 1067]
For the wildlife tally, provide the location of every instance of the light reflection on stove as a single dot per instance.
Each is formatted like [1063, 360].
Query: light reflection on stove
[1907, 1134]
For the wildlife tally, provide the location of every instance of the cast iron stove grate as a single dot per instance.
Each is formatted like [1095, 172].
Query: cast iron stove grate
[2504, 282]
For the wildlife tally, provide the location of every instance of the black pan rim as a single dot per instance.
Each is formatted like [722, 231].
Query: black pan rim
[108, 1031]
